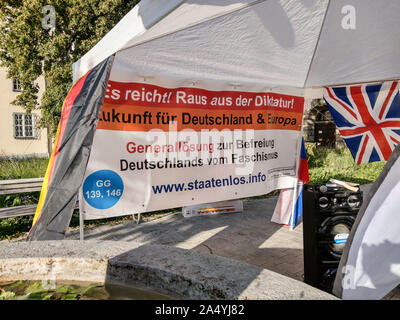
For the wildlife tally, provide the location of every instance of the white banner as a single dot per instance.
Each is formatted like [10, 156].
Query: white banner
[165, 147]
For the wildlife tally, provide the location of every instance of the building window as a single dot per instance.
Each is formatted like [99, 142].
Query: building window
[24, 126]
[16, 86]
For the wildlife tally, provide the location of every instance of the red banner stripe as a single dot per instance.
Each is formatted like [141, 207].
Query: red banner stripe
[342, 104]
[392, 88]
[139, 94]
[68, 104]
[360, 156]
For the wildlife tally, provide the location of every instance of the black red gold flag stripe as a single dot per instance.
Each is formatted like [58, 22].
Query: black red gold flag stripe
[70, 154]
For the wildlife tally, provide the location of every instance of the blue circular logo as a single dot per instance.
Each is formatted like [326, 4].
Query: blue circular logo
[102, 189]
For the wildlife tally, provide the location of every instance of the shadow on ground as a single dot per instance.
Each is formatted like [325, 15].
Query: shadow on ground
[249, 236]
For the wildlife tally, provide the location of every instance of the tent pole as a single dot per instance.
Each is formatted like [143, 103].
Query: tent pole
[296, 186]
[81, 234]
[136, 220]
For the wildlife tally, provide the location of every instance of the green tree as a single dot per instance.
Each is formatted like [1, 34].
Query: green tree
[28, 50]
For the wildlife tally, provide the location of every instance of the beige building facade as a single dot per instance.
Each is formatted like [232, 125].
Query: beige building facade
[20, 135]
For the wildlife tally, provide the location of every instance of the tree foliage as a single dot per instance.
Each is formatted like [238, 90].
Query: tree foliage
[29, 51]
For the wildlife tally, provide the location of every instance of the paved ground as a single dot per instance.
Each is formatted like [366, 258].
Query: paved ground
[249, 236]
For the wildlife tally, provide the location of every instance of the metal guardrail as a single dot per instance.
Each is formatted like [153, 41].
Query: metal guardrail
[15, 187]
[11, 212]
[20, 186]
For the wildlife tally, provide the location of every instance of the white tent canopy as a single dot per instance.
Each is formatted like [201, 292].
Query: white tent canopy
[277, 43]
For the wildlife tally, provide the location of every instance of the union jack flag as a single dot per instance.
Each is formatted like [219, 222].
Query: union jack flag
[368, 118]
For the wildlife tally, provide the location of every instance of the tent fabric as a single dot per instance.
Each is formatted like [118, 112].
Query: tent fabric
[287, 43]
[151, 19]
[134, 23]
[364, 54]
[67, 165]
[371, 256]
[259, 43]
[267, 43]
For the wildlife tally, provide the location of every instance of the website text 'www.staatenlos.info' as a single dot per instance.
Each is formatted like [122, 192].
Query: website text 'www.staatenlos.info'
[198, 184]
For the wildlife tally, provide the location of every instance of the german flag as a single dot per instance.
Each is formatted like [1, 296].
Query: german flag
[68, 161]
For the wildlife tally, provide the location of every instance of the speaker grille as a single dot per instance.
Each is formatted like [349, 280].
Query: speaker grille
[329, 213]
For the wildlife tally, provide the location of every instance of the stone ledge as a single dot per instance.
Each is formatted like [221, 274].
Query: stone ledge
[181, 272]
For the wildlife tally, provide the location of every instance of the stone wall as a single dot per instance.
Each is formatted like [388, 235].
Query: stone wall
[319, 113]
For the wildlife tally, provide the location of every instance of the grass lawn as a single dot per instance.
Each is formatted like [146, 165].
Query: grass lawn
[19, 169]
[22, 169]
[323, 164]
[338, 164]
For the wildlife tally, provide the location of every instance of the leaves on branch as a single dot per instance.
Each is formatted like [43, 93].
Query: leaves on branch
[42, 58]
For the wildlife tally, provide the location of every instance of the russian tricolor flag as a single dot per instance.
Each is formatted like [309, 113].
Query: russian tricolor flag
[284, 212]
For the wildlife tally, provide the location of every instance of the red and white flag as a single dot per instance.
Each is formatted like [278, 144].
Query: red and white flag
[285, 213]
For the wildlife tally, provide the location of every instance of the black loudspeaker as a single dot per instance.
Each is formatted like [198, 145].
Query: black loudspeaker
[329, 212]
